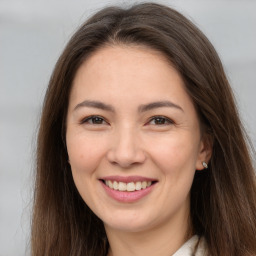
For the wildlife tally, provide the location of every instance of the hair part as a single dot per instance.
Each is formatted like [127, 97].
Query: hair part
[223, 198]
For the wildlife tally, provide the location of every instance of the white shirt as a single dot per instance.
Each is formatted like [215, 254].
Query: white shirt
[188, 248]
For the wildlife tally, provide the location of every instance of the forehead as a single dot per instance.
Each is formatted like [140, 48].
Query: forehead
[117, 52]
[127, 68]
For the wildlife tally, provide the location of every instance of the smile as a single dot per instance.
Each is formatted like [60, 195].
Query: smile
[130, 187]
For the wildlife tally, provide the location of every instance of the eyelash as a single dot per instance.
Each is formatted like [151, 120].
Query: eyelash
[94, 120]
[166, 120]
[99, 120]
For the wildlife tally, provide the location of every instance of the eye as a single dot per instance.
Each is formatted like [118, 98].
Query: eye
[160, 120]
[94, 120]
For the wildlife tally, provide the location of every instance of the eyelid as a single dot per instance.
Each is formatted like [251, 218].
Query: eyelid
[169, 121]
[88, 118]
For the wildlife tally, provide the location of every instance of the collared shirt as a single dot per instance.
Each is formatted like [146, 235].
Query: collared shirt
[188, 248]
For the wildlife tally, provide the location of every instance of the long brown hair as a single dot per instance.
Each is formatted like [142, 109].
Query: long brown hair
[223, 198]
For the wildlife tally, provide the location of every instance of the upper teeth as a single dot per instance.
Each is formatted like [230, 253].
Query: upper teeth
[131, 186]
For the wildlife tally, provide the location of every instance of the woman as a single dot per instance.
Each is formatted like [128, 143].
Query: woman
[140, 148]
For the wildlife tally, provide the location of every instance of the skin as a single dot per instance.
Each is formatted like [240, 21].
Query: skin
[126, 141]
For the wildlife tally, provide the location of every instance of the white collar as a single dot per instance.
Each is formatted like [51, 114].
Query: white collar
[188, 248]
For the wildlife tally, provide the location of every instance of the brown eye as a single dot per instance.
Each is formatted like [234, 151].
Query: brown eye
[160, 120]
[94, 120]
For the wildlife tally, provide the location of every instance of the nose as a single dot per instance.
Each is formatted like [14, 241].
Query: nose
[126, 149]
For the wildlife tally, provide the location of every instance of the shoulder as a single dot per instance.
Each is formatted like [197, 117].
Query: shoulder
[188, 248]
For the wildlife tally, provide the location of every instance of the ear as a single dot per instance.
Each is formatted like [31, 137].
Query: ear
[205, 151]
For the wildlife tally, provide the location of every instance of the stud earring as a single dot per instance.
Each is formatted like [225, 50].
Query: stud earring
[205, 165]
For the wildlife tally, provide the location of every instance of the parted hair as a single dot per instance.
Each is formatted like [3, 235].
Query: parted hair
[223, 197]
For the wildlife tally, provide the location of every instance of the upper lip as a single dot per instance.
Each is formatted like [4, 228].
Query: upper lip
[127, 179]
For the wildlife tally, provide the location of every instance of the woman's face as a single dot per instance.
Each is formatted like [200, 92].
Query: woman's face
[133, 139]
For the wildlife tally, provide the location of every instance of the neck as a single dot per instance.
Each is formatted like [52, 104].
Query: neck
[164, 240]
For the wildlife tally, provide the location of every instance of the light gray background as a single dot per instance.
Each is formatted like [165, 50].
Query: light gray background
[33, 34]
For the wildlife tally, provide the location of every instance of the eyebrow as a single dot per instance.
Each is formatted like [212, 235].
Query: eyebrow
[159, 104]
[141, 108]
[95, 104]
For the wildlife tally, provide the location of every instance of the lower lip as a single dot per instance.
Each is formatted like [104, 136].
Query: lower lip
[127, 197]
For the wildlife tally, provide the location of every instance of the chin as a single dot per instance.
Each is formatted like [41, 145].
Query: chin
[128, 223]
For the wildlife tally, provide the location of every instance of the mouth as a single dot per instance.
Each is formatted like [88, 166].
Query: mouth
[128, 189]
[128, 186]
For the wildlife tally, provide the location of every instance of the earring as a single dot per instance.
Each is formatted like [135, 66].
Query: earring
[205, 165]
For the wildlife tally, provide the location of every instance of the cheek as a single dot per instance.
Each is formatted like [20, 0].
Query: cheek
[176, 154]
[85, 154]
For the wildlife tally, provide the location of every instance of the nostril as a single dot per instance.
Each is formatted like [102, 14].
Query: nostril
[125, 159]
